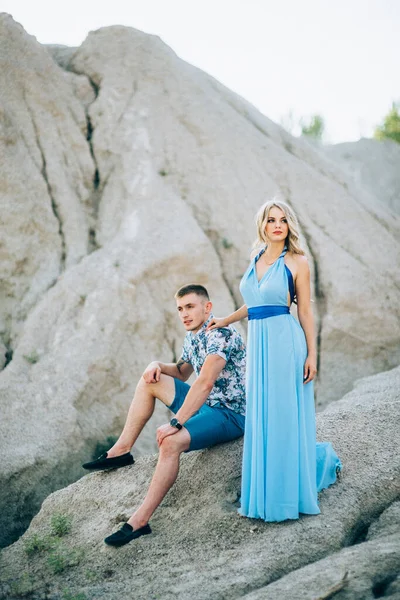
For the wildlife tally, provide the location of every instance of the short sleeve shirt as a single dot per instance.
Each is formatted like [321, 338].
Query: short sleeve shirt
[230, 387]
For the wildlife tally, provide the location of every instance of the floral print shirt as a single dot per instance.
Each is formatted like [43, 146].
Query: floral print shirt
[230, 387]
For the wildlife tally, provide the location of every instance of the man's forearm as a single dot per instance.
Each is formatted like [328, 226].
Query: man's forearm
[197, 395]
[171, 369]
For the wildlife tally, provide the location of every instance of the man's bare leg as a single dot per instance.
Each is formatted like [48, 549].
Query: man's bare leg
[141, 409]
[164, 476]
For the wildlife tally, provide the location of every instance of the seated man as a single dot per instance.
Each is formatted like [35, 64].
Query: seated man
[209, 412]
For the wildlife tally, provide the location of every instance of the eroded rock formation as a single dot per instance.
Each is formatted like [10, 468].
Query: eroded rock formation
[200, 548]
[126, 173]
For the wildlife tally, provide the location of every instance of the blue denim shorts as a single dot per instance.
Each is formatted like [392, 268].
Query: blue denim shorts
[210, 425]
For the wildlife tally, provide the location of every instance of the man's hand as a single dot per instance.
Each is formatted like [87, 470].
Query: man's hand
[164, 431]
[152, 373]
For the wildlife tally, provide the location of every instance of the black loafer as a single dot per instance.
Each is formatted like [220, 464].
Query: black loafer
[102, 463]
[126, 534]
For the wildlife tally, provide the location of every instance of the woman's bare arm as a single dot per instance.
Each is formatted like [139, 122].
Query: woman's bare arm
[238, 315]
[306, 318]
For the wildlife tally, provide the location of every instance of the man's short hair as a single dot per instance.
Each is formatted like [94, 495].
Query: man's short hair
[192, 288]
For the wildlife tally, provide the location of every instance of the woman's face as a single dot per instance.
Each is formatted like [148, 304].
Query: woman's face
[277, 228]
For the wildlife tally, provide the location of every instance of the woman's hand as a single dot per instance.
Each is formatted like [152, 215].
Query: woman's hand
[216, 323]
[310, 369]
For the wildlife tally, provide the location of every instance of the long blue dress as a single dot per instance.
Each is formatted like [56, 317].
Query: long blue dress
[283, 466]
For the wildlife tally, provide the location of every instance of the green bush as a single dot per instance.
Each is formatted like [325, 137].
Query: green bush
[57, 562]
[67, 595]
[35, 543]
[62, 558]
[60, 524]
[24, 586]
[390, 128]
[314, 128]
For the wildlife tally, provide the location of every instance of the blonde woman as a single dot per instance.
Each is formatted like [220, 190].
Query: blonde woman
[283, 466]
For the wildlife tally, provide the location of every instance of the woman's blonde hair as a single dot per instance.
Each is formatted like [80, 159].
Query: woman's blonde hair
[292, 240]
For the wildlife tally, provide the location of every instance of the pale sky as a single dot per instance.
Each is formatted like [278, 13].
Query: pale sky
[339, 58]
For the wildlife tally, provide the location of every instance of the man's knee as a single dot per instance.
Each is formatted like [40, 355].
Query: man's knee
[148, 387]
[175, 444]
[141, 383]
[163, 390]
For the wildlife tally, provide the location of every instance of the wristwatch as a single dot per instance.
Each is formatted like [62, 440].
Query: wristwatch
[175, 423]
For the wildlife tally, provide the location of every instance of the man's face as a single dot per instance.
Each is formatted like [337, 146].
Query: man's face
[193, 311]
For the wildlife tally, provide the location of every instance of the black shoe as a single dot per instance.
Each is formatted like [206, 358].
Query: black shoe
[102, 463]
[126, 534]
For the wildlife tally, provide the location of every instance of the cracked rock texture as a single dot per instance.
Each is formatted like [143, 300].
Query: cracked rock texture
[46, 175]
[200, 548]
[127, 173]
[370, 569]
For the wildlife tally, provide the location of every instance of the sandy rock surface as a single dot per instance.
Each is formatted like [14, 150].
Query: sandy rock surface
[370, 569]
[200, 548]
[374, 167]
[127, 173]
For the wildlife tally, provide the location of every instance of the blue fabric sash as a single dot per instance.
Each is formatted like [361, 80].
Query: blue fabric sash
[263, 312]
[291, 283]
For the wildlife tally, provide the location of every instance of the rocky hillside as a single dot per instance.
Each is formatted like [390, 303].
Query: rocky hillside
[374, 166]
[125, 173]
[200, 548]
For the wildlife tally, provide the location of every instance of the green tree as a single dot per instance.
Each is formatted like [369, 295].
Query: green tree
[390, 128]
[314, 127]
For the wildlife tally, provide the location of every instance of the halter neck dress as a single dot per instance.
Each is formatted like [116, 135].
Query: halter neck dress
[283, 465]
